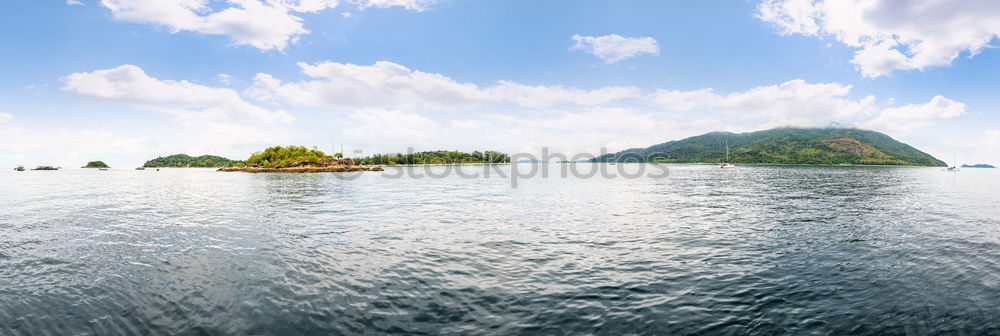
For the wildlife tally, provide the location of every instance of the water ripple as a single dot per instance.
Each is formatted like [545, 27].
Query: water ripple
[756, 250]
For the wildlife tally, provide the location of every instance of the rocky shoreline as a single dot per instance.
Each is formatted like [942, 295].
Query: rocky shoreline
[320, 166]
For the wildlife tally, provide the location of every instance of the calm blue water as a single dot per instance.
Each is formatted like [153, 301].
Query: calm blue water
[754, 250]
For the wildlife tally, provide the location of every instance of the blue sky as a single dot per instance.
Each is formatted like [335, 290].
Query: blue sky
[127, 80]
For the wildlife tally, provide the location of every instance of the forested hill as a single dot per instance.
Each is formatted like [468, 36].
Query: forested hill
[435, 157]
[784, 146]
[184, 160]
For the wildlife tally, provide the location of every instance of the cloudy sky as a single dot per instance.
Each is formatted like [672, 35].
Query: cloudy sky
[127, 80]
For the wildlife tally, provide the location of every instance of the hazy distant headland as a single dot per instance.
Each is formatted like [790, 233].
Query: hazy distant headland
[822, 146]
[981, 165]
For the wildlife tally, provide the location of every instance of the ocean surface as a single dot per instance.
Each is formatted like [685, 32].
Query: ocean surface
[758, 250]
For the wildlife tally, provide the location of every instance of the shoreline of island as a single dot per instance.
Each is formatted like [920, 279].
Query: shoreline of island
[788, 146]
[303, 169]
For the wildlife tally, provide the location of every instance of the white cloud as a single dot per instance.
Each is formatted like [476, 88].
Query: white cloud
[584, 130]
[5, 117]
[387, 85]
[187, 101]
[211, 119]
[414, 5]
[794, 99]
[991, 140]
[346, 14]
[263, 24]
[266, 26]
[311, 6]
[74, 2]
[891, 35]
[676, 100]
[615, 48]
[225, 79]
[392, 107]
[384, 89]
[787, 122]
[57, 146]
[907, 118]
[392, 126]
[384, 85]
[544, 96]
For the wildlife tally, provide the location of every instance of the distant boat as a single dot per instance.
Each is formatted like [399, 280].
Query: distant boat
[45, 168]
[19, 168]
[728, 163]
[141, 168]
[953, 169]
[102, 168]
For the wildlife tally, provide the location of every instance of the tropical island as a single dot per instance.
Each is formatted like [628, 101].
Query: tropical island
[297, 159]
[435, 157]
[981, 165]
[819, 146]
[96, 164]
[187, 161]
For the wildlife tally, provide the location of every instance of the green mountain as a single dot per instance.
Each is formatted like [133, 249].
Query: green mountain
[184, 160]
[784, 146]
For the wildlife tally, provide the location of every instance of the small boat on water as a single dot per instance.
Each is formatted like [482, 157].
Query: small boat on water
[141, 168]
[102, 168]
[728, 163]
[19, 168]
[45, 168]
[953, 169]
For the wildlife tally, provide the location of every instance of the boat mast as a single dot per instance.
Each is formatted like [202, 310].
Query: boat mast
[727, 152]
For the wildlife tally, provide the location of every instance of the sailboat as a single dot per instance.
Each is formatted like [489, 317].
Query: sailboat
[953, 169]
[728, 163]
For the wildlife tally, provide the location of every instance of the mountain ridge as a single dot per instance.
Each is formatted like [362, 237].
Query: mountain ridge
[787, 145]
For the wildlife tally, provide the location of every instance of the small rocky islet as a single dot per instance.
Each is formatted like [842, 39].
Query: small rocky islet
[297, 159]
[96, 164]
[321, 166]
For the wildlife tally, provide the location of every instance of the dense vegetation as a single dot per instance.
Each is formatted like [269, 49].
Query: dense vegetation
[184, 160]
[784, 146]
[279, 157]
[435, 157]
[96, 164]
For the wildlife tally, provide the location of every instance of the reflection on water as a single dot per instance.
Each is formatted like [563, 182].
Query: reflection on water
[759, 249]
